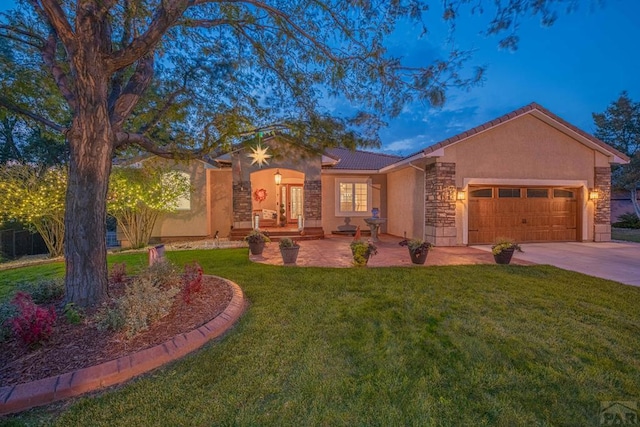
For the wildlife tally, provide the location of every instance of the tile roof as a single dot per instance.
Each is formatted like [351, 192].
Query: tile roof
[520, 112]
[360, 160]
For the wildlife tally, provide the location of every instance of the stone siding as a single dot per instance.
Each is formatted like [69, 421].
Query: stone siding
[602, 217]
[440, 204]
[313, 200]
[241, 202]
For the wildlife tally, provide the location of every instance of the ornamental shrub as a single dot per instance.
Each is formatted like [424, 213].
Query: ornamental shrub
[32, 324]
[118, 273]
[7, 311]
[627, 220]
[44, 291]
[163, 274]
[191, 281]
[109, 318]
[140, 306]
[73, 313]
[143, 304]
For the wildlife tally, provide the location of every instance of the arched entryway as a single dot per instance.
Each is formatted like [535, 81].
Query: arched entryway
[277, 197]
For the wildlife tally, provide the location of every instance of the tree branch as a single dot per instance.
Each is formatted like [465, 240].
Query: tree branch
[160, 112]
[58, 21]
[138, 83]
[167, 14]
[12, 29]
[276, 13]
[124, 138]
[6, 103]
[59, 76]
[19, 40]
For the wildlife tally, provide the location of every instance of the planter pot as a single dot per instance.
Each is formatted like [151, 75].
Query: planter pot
[421, 259]
[504, 257]
[289, 255]
[256, 248]
[366, 256]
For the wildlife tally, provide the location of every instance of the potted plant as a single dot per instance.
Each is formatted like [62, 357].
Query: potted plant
[361, 251]
[418, 249]
[256, 240]
[503, 250]
[289, 250]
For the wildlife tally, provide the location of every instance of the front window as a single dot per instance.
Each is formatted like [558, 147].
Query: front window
[354, 196]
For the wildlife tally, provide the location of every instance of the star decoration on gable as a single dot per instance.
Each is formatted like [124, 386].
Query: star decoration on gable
[259, 155]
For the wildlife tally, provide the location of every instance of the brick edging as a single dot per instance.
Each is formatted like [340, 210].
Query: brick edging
[24, 396]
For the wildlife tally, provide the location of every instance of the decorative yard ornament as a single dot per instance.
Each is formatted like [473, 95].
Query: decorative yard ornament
[259, 155]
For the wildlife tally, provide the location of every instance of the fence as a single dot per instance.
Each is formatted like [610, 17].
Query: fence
[17, 243]
[112, 239]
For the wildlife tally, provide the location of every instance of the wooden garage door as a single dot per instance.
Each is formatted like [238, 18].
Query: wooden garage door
[526, 214]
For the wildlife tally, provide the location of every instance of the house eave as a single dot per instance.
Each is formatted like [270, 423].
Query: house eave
[404, 162]
[350, 171]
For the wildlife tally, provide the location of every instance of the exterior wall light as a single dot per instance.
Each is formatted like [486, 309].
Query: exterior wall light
[278, 177]
[593, 194]
[460, 194]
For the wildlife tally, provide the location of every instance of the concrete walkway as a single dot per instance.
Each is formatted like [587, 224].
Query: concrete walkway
[619, 261]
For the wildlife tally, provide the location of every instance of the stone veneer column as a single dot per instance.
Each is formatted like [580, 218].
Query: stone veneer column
[440, 204]
[313, 203]
[242, 204]
[602, 214]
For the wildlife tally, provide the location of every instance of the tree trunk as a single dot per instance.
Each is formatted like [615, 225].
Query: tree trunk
[85, 219]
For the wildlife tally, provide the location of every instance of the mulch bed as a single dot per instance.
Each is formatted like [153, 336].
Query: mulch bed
[73, 347]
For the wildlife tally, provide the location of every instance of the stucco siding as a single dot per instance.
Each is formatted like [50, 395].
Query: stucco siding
[331, 221]
[221, 201]
[523, 148]
[525, 152]
[405, 189]
[192, 222]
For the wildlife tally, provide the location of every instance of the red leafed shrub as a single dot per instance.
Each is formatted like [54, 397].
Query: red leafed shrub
[118, 273]
[33, 324]
[191, 281]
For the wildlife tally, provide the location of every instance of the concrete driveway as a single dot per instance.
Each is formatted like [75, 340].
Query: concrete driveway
[619, 261]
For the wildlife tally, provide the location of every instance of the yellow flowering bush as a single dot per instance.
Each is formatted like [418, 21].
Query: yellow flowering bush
[137, 196]
[35, 197]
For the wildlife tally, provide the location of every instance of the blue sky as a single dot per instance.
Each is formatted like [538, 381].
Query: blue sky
[574, 68]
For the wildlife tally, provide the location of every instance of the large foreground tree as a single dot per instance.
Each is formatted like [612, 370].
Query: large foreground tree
[619, 125]
[179, 77]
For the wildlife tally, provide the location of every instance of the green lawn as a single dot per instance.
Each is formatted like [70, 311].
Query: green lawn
[443, 346]
[628, 234]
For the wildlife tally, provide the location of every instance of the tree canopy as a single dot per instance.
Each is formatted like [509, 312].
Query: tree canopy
[185, 77]
[619, 126]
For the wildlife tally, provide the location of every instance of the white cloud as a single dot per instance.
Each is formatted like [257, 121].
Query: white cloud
[407, 145]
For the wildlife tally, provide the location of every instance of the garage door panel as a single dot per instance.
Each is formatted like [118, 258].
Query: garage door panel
[523, 219]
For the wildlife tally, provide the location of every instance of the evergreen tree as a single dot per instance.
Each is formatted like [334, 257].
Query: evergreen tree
[619, 126]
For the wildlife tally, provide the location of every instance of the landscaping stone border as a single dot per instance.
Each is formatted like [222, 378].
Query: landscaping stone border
[25, 396]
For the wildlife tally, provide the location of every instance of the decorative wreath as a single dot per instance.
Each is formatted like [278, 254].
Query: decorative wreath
[260, 195]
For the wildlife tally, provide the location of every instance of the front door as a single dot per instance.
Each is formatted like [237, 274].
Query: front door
[295, 202]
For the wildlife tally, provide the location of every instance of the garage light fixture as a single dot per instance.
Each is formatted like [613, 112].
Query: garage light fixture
[593, 194]
[460, 195]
